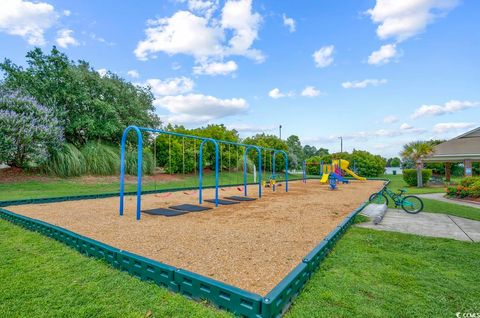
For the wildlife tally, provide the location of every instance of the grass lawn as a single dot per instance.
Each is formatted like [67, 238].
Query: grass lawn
[44, 278]
[396, 183]
[384, 274]
[431, 205]
[436, 206]
[368, 274]
[76, 186]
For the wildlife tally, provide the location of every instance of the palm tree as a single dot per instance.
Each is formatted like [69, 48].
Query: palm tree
[416, 150]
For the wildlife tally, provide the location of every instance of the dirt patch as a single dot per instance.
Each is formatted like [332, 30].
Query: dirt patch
[251, 245]
[159, 178]
[10, 175]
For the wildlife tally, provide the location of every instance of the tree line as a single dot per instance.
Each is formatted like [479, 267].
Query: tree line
[62, 117]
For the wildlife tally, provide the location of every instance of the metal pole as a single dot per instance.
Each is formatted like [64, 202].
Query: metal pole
[304, 171]
[259, 172]
[280, 131]
[273, 171]
[286, 171]
[245, 170]
[139, 171]
[341, 144]
[200, 171]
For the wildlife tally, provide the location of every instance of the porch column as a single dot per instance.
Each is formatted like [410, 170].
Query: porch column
[468, 167]
[448, 167]
[419, 173]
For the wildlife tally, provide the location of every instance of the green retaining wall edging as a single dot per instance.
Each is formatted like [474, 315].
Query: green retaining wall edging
[277, 301]
[192, 285]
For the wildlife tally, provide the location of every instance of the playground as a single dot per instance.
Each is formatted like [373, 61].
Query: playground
[251, 245]
[245, 241]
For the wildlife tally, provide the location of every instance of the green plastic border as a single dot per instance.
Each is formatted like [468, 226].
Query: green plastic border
[279, 299]
[192, 285]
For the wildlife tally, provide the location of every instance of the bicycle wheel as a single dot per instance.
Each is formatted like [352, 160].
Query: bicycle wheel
[412, 204]
[378, 198]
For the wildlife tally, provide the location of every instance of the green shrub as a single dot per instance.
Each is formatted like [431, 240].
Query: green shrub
[101, 159]
[469, 181]
[131, 162]
[451, 191]
[67, 161]
[410, 176]
[367, 164]
[474, 190]
[313, 166]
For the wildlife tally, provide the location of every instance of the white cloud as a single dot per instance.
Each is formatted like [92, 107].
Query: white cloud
[390, 119]
[204, 37]
[102, 72]
[449, 107]
[66, 13]
[310, 91]
[27, 19]
[205, 8]
[364, 83]
[176, 66]
[170, 86]
[95, 37]
[289, 23]
[404, 19]
[276, 94]
[447, 127]
[363, 136]
[215, 68]
[65, 38]
[247, 128]
[384, 55]
[133, 74]
[238, 17]
[183, 33]
[323, 57]
[198, 108]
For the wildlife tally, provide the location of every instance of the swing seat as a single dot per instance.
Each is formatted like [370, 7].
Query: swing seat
[164, 212]
[238, 198]
[190, 208]
[239, 189]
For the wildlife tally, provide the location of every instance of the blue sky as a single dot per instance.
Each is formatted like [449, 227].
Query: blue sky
[379, 73]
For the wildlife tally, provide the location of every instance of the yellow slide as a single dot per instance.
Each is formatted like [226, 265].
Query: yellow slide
[353, 174]
[344, 166]
[324, 178]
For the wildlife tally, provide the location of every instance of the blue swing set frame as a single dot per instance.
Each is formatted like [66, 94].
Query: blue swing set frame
[215, 142]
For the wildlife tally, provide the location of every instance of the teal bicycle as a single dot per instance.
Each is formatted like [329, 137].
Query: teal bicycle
[409, 203]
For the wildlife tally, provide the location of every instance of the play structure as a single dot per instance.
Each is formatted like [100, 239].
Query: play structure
[172, 210]
[247, 256]
[333, 172]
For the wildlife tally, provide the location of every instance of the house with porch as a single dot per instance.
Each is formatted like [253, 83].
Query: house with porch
[464, 148]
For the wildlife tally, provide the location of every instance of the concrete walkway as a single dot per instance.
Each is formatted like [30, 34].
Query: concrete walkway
[441, 197]
[428, 224]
